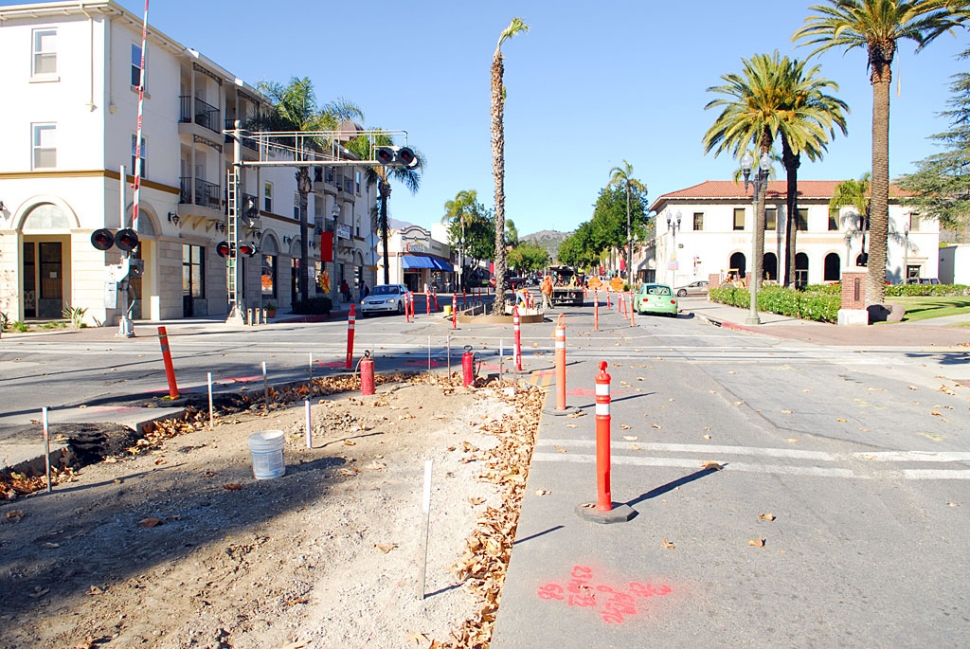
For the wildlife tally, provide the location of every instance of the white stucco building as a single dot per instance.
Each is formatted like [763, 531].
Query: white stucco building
[70, 73]
[714, 235]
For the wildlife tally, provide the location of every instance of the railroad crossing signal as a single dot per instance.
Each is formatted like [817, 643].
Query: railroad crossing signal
[400, 156]
[125, 239]
[224, 248]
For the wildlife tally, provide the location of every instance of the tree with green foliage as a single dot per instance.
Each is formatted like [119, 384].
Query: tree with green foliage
[295, 108]
[578, 249]
[941, 184]
[498, 158]
[381, 175]
[528, 256]
[877, 26]
[856, 194]
[623, 177]
[775, 97]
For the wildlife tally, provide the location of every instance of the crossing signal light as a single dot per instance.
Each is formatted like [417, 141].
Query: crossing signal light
[248, 249]
[223, 248]
[396, 156]
[102, 239]
[126, 240]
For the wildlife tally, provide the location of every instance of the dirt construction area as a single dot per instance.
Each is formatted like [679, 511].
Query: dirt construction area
[171, 542]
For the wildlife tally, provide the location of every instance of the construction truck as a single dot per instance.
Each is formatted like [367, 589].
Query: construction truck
[567, 286]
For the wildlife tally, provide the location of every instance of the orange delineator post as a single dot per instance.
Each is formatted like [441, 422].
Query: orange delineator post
[454, 310]
[632, 323]
[608, 305]
[517, 335]
[620, 304]
[427, 303]
[351, 319]
[604, 498]
[173, 390]
[561, 362]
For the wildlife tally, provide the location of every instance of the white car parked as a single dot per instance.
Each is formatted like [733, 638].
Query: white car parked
[386, 298]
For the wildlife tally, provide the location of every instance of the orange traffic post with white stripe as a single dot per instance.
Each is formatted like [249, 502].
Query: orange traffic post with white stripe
[173, 390]
[561, 362]
[454, 310]
[596, 310]
[351, 319]
[605, 511]
[632, 310]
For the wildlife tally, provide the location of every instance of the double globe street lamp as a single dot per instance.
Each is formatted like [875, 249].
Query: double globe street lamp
[673, 224]
[760, 187]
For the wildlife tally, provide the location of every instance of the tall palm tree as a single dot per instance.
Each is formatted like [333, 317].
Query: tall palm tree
[623, 177]
[877, 25]
[295, 108]
[462, 209]
[498, 159]
[381, 175]
[810, 118]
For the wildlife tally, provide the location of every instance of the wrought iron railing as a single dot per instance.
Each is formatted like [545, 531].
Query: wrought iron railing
[195, 110]
[206, 193]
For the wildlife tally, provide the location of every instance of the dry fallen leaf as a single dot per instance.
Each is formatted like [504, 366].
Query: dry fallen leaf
[385, 547]
[707, 436]
[630, 438]
[712, 466]
[419, 639]
[576, 414]
[636, 447]
[476, 500]
[560, 449]
[588, 505]
[791, 440]
[840, 420]
[955, 504]
[766, 517]
[15, 515]
[757, 543]
[542, 492]
[738, 403]
[913, 387]
[348, 472]
[349, 442]
[572, 425]
[376, 466]
[624, 426]
[669, 545]
[657, 426]
[235, 486]
[787, 412]
[805, 390]
[149, 522]
[93, 590]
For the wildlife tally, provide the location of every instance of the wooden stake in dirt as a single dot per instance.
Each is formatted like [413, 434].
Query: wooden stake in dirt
[47, 450]
[448, 345]
[426, 508]
[208, 378]
[265, 390]
[429, 353]
[309, 430]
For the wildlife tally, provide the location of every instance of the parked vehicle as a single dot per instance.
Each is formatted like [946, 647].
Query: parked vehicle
[694, 288]
[922, 280]
[386, 298]
[567, 286]
[655, 298]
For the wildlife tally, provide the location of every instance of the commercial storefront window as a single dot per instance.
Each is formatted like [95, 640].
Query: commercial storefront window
[193, 271]
[268, 280]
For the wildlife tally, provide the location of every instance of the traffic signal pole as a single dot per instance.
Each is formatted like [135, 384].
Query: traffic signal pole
[237, 312]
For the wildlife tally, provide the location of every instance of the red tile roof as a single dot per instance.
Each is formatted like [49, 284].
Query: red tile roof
[777, 190]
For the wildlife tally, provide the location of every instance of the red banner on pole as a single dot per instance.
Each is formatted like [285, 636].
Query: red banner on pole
[326, 246]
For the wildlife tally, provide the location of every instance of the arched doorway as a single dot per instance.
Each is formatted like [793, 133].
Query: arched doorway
[833, 267]
[770, 266]
[738, 264]
[46, 255]
[801, 270]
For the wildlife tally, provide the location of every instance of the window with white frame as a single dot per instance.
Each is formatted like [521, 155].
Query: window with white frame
[296, 205]
[358, 183]
[143, 154]
[914, 223]
[738, 218]
[698, 221]
[267, 196]
[136, 66]
[44, 54]
[44, 146]
[771, 218]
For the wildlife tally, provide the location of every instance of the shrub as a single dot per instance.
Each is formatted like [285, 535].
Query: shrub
[926, 290]
[820, 305]
[313, 306]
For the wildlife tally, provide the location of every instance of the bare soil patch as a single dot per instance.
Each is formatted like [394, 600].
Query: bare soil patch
[173, 543]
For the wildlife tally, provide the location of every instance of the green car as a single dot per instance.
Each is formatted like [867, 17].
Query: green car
[655, 298]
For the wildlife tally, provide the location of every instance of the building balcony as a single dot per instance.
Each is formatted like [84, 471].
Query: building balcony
[206, 194]
[193, 110]
[325, 179]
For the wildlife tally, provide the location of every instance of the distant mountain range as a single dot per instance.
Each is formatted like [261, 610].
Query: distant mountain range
[548, 239]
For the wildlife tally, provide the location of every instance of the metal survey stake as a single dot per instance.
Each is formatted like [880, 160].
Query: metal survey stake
[208, 378]
[426, 508]
[310, 360]
[309, 430]
[47, 450]
[265, 389]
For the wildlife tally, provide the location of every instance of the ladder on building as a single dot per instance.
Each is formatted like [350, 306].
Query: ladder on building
[232, 230]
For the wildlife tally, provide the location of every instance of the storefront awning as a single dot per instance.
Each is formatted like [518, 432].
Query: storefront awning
[411, 262]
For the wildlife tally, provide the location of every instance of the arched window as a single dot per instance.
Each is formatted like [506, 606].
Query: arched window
[833, 267]
[738, 263]
[46, 216]
[801, 270]
[769, 266]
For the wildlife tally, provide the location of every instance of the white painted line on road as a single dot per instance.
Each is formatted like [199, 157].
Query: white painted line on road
[914, 456]
[815, 471]
[695, 448]
[935, 474]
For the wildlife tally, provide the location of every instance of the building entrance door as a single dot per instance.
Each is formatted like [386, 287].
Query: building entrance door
[50, 299]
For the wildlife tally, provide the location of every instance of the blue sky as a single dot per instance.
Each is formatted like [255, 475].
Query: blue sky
[590, 85]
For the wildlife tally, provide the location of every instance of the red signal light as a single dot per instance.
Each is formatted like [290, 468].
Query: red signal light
[126, 240]
[102, 239]
[247, 249]
[223, 248]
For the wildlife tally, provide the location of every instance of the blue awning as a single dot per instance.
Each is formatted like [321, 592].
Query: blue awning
[413, 261]
[441, 264]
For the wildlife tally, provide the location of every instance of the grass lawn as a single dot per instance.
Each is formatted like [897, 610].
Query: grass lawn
[924, 308]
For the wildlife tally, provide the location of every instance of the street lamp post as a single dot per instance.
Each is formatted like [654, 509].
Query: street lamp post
[760, 186]
[673, 224]
[334, 282]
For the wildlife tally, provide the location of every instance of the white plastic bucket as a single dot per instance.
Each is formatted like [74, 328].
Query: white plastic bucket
[267, 451]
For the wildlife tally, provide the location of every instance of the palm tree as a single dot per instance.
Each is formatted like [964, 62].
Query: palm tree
[623, 177]
[498, 159]
[381, 175]
[462, 209]
[295, 109]
[877, 25]
[810, 118]
[856, 194]
[776, 96]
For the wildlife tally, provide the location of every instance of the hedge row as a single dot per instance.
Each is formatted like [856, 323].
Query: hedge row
[922, 290]
[821, 306]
